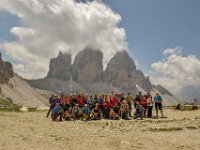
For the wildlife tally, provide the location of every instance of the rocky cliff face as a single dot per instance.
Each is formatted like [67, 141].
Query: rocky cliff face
[88, 66]
[60, 67]
[163, 90]
[142, 81]
[6, 71]
[120, 71]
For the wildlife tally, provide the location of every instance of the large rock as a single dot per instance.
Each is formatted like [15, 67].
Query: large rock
[6, 71]
[120, 71]
[60, 67]
[88, 66]
[142, 81]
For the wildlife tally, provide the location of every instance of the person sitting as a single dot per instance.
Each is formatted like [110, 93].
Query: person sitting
[139, 111]
[66, 110]
[194, 105]
[76, 112]
[178, 107]
[95, 113]
[124, 110]
[86, 113]
[57, 112]
[113, 114]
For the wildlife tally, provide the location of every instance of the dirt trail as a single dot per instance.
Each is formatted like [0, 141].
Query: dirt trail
[32, 131]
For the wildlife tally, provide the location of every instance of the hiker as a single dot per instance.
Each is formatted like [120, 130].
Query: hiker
[76, 112]
[86, 113]
[52, 101]
[105, 106]
[124, 110]
[137, 99]
[57, 112]
[113, 114]
[74, 100]
[115, 105]
[80, 101]
[95, 112]
[194, 105]
[129, 100]
[100, 102]
[144, 104]
[138, 111]
[62, 98]
[178, 107]
[140, 95]
[121, 97]
[150, 106]
[66, 110]
[90, 102]
[158, 104]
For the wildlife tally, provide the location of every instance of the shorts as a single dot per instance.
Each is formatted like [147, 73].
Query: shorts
[158, 106]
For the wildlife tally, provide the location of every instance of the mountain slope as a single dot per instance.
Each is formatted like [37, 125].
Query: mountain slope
[22, 93]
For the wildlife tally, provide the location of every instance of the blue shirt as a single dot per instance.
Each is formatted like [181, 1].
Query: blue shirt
[158, 99]
[57, 109]
[85, 111]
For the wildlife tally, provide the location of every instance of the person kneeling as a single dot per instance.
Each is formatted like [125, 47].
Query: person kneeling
[139, 111]
[76, 112]
[86, 113]
[114, 113]
[125, 110]
[57, 112]
[95, 113]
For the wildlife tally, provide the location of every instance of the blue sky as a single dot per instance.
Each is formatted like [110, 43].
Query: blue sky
[154, 25]
[151, 26]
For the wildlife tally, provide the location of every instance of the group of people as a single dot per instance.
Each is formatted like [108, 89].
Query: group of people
[107, 106]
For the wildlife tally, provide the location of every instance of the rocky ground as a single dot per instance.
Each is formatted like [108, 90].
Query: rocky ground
[32, 131]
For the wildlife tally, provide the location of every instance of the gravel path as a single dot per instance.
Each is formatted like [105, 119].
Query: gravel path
[32, 131]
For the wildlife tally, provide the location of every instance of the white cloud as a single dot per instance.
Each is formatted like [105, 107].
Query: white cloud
[48, 26]
[170, 51]
[177, 72]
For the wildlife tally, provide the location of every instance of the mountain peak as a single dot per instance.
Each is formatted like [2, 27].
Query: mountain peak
[6, 71]
[60, 67]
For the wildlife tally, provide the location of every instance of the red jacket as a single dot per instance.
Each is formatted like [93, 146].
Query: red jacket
[144, 102]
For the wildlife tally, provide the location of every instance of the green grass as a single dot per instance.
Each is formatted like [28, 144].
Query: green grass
[161, 129]
[8, 105]
[32, 109]
[182, 107]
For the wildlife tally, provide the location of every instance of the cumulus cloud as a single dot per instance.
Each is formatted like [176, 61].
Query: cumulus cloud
[48, 26]
[178, 73]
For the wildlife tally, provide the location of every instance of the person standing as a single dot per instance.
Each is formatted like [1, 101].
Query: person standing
[194, 105]
[144, 104]
[158, 104]
[52, 101]
[150, 106]
[129, 100]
